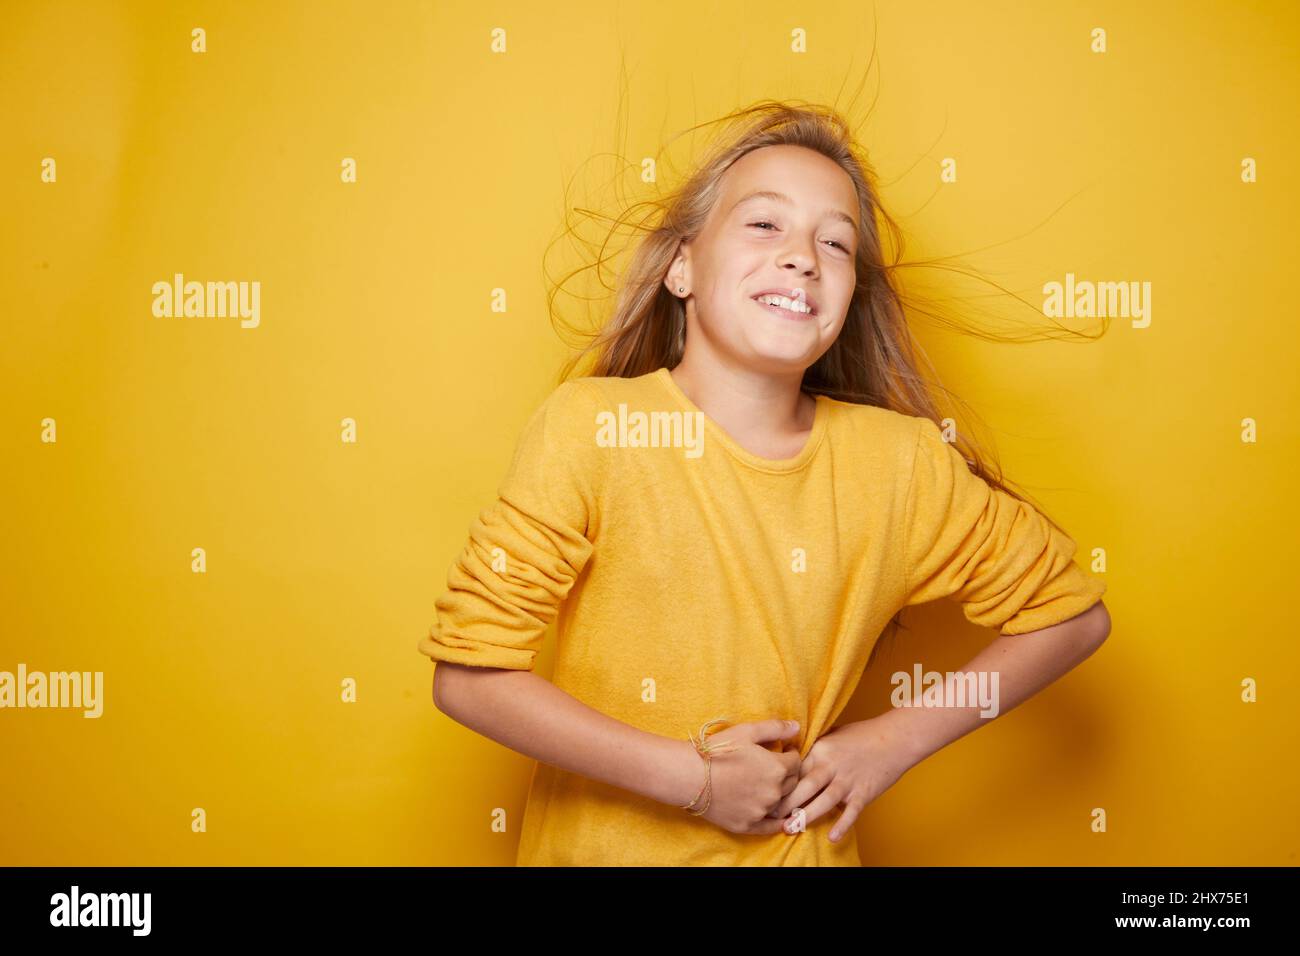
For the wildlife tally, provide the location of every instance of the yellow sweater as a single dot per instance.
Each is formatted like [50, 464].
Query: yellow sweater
[702, 580]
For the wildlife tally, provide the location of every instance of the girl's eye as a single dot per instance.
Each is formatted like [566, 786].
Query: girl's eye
[839, 245]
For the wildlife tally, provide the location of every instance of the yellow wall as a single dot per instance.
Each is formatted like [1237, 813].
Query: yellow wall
[222, 689]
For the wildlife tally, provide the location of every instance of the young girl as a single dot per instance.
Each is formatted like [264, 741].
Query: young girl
[722, 518]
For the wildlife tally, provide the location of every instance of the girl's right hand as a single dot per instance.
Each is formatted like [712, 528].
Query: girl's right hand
[751, 780]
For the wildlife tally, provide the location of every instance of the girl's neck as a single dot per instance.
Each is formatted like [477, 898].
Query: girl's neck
[767, 415]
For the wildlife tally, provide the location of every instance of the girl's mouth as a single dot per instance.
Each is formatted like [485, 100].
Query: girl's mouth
[782, 311]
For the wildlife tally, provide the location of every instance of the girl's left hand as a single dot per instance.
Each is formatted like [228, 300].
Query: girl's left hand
[850, 765]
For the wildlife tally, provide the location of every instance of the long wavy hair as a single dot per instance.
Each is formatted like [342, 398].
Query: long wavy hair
[875, 360]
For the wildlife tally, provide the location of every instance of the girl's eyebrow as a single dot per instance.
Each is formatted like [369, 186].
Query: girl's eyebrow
[782, 197]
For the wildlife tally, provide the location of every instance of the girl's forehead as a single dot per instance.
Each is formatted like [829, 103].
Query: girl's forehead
[788, 175]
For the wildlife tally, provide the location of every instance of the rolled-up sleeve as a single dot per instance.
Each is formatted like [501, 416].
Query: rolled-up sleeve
[1007, 565]
[526, 550]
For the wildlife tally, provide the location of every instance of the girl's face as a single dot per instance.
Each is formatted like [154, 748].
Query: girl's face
[785, 223]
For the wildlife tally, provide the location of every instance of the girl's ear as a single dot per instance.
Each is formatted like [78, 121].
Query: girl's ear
[675, 281]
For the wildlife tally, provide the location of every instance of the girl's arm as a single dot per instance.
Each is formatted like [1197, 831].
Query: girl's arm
[1010, 569]
[1025, 663]
[529, 714]
[855, 763]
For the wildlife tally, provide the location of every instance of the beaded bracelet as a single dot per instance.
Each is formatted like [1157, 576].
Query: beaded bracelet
[706, 749]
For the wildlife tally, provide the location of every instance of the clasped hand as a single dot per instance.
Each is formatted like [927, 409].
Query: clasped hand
[851, 765]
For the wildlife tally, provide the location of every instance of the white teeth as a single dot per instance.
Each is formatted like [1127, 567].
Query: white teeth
[785, 303]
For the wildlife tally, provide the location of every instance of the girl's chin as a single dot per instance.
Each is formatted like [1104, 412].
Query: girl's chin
[787, 338]
[795, 355]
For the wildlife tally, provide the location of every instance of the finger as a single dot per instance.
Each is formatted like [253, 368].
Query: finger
[789, 783]
[802, 791]
[803, 794]
[764, 731]
[809, 764]
[766, 826]
[823, 803]
[792, 762]
[844, 825]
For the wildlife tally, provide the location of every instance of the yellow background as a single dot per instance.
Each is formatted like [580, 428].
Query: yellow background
[222, 690]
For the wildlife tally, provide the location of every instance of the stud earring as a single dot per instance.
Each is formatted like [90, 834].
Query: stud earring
[681, 288]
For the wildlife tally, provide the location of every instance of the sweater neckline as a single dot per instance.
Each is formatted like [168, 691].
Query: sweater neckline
[719, 435]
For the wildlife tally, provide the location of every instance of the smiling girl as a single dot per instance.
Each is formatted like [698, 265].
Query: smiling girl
[751, 581]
